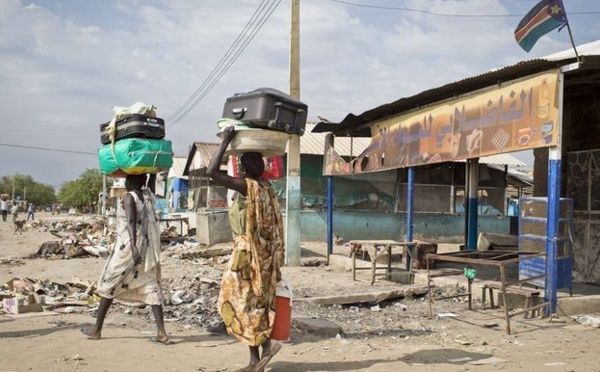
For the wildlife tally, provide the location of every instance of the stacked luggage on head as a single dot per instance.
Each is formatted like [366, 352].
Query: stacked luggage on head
[265, 119]
[268, 108]
[134, 142]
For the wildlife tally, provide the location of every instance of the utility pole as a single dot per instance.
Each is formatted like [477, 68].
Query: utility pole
[103, 210]
[293, 196]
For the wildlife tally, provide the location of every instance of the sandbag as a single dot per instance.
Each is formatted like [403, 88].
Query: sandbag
[136, 156]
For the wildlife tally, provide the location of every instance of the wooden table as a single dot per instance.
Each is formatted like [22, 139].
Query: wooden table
[376, 248]
[497, 259]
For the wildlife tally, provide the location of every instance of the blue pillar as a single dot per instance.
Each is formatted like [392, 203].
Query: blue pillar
[553, 210]
[329, 216]
[409, 210]
[552, 229]
[472, 203]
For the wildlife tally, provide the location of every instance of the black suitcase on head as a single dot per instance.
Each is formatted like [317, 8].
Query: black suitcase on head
[268, 108]
[134, 126]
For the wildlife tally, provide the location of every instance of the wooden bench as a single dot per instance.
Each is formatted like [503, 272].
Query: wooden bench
[530, 294]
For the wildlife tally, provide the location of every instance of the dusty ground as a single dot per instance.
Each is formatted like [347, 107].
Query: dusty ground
[398, 336]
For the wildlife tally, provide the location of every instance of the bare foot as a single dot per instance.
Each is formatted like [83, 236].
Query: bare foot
[268, 354]
[90, 334]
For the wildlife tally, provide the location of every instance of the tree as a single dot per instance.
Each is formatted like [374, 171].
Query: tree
[83, 191]
[28, 189]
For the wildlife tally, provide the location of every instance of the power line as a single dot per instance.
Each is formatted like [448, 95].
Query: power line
[48, 149]
[453, 15]
[255, 23]
[225, 56]
[235, 57]
[226, 60]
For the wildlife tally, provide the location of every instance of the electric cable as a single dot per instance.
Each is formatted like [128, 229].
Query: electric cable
[227, 60]
[428, 12]
[225, 56]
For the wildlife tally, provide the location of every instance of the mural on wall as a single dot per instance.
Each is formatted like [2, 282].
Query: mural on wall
[518, 115]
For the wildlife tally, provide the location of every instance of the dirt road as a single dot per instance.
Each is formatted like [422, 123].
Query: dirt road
[390, 336]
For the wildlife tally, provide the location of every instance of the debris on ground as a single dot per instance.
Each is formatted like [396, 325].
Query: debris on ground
[588, 320]
[11, 261]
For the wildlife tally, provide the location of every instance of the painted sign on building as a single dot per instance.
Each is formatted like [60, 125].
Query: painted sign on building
[514, 116]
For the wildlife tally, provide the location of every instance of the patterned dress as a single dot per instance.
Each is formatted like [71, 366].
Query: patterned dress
[247, 296]
[121, 278]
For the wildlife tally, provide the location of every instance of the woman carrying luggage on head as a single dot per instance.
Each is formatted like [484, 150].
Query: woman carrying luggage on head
[247, 296]
[132, 271]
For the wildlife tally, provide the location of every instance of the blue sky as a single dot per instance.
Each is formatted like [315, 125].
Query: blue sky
[65, 63]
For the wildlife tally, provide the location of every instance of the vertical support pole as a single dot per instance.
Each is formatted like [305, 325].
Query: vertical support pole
[473, 208]
[409, 213]
[452, 190]
[429, 285]
[506, 204]
[103, 211]
[293, 194]
[553, 211]
[466, 204]
[503, 291]
[552, 229]
[330, 205]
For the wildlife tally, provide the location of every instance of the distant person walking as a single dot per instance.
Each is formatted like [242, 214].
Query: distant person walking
[14, 210]
[4, 208]
[31, 211]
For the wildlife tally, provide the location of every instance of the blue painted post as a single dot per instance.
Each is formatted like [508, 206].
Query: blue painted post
[472, 204]
[409, 210]
[329, 217]
[552, 228]
[553, 210]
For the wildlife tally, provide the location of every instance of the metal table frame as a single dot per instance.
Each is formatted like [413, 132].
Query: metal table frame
[498, 259]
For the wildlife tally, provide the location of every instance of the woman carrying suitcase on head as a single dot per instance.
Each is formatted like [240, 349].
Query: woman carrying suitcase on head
[247, 296]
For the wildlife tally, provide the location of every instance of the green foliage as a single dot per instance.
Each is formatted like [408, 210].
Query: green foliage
[27, 188]
[84, 190]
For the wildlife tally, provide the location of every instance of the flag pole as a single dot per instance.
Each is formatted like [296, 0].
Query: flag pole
[570, 33]
[572, 42]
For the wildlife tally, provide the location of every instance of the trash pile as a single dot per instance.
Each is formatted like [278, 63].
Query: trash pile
[72, 247]
[450, 290]
[23, 295]
[78, 238]
[191, 301]
[92, 237]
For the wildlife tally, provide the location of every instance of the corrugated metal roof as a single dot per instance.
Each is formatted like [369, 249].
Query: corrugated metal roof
[359, 125]
[517, 177]
[313, 143]
[500, 159]
[176, 170]
[199, 156]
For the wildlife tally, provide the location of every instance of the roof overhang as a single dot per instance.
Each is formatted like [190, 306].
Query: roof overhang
[360, 125]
